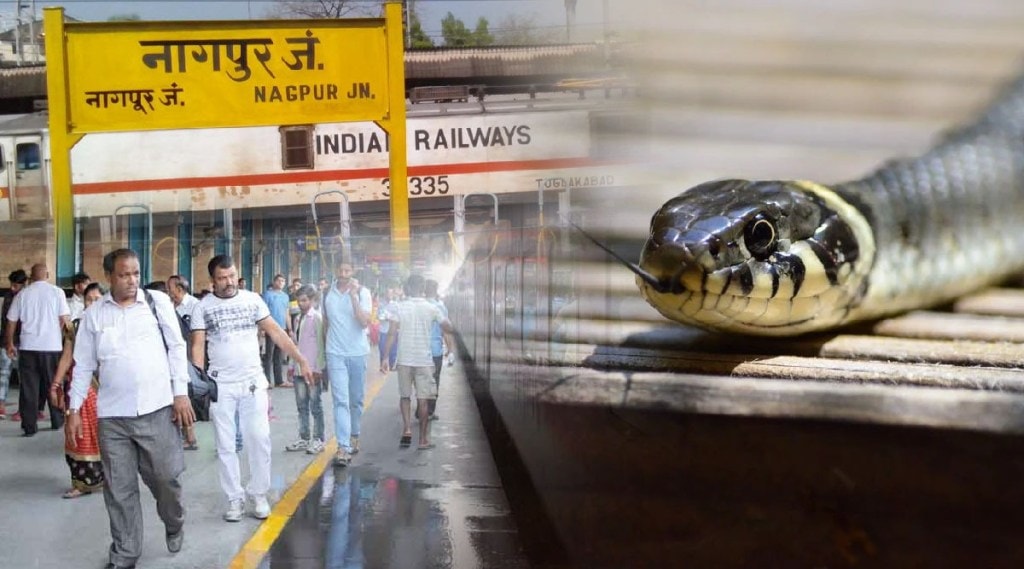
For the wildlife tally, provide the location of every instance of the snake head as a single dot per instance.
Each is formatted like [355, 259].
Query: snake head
[761, 257]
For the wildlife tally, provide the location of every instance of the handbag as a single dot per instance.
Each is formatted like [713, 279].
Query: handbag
[202, 384]
[199, 381]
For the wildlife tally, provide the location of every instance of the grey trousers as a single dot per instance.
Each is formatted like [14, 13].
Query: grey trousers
[150, 446]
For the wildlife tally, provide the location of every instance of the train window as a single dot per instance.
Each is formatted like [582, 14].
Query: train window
[296, 147]
[28, 157]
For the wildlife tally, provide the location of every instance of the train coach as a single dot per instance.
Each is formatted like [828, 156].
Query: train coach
[170, 193]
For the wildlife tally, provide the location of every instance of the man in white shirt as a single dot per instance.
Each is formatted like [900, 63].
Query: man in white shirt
[139, 353]
[77, 301]
[411, 323]
[179, 290]
[230, 320]
[42, 310]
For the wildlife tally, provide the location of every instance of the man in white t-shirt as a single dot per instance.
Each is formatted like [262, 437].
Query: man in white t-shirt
[179, 290]
[229, 319]
[411, 323]
[42, 310]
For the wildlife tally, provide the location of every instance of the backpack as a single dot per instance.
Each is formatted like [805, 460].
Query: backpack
[202, 389]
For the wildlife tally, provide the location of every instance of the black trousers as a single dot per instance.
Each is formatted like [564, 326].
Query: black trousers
[36, 370]
[272, 363]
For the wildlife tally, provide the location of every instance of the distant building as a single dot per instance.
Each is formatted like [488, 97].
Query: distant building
[22, 45]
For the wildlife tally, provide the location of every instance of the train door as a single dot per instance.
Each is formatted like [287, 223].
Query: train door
[513, 309]
[29, 197]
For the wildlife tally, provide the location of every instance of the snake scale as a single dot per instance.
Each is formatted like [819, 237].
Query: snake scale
[789, 257]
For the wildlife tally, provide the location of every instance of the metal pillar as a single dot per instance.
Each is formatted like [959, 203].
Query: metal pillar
[245, 254]
[269, 256]
[139, 240]
[223, 243]
[185, 246]
[283, 248]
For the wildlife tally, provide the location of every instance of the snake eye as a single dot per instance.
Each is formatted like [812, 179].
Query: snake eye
[759, 237]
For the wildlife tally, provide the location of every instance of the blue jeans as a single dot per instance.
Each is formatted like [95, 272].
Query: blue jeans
[391, 358]
[345, 542]
[348, 387]
[307, 399]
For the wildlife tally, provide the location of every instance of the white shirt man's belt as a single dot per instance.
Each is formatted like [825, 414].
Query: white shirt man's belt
[124, 344]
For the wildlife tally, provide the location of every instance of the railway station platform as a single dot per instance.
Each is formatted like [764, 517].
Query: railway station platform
[392, 507]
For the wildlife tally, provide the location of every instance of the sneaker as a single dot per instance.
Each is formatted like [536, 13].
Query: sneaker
[236, 509]
[260, 507]
[354, 443]
[174, 541]
[342, 458]
[315, 446]
[298, 444]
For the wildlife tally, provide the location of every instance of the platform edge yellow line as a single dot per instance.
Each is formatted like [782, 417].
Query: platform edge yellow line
[252, 553]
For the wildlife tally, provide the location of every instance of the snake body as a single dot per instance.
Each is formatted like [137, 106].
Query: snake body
[790, 257]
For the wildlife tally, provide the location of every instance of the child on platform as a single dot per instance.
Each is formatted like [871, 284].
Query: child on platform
[308, 332]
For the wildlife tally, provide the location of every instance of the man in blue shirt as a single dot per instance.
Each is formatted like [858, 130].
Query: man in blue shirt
[346, 310]
[277, 301]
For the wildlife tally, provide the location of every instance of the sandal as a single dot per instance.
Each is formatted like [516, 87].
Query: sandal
[74, 493]
[191, 446]
[405, 441]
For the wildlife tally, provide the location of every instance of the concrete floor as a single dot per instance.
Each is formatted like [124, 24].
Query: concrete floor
[457, 515]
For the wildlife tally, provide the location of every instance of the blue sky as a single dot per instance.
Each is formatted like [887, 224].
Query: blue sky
[589, 13]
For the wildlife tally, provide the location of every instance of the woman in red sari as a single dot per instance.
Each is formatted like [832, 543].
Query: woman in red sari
[83, 458]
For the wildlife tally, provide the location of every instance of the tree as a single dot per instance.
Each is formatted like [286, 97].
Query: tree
[516, 29]
[322, 9]
[482, 35]
[418, 38]
[455, 33]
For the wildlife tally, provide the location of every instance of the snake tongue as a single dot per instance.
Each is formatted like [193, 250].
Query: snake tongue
[673, 265]
[651, 280]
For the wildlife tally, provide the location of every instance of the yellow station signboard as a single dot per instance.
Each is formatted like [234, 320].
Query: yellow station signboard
[133, 76]
[196, 74]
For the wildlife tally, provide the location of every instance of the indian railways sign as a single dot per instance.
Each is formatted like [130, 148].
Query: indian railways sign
[201, 74]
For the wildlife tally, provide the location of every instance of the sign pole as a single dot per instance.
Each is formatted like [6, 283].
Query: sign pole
[61, 142]
[394, 125]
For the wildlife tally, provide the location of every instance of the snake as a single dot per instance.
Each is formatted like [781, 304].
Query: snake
[790, 257]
